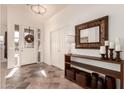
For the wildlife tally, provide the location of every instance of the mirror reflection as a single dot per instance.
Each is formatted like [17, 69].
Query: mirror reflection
[89, 35]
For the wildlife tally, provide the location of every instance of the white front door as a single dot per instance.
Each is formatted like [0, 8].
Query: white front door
[28, 50]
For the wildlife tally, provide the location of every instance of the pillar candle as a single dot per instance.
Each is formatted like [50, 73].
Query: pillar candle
[118, 47]
[106, 43]
[102, 50]
[111, 45]
[117, 44]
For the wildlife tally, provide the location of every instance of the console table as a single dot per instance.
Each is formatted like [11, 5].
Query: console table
[115, 74]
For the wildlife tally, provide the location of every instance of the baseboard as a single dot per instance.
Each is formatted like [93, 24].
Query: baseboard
[28, 64]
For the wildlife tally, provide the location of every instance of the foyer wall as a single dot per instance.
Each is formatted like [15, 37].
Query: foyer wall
[76, 14]
[3, 25]
[0, 20]
[3, 19]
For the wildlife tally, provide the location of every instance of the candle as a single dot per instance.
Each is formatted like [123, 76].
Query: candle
[111, 45]
[117, 44]
[102, 50]
[118, 47]
[106, 43]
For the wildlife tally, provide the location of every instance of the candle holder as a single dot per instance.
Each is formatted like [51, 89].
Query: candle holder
[118, 56]
[103, 56]
[111, 54]
[107, 47]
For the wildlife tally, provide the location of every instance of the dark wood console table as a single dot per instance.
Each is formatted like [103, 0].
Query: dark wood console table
[115, 74]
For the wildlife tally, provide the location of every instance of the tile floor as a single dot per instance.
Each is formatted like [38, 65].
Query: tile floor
[39, 76]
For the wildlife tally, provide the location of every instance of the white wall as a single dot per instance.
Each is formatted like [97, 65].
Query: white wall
[4, 14]
[0, 17]
[3, 18]
[22, 15]
[3, 28]
[77, 14]
[3, 24]
[0, 49]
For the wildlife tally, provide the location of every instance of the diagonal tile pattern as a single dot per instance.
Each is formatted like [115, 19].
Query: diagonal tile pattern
[39, 76]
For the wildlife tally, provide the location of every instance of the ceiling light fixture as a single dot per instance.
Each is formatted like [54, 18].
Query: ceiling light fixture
[38, 9]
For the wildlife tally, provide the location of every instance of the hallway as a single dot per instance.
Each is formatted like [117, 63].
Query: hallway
[39, 76]
[36, 50]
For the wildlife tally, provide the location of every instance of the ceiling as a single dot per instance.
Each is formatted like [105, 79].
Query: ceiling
[52, 9]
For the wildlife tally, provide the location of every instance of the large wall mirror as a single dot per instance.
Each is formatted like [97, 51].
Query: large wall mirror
[92, 34]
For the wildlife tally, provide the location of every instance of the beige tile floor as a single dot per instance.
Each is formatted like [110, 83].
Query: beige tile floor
[39, 76]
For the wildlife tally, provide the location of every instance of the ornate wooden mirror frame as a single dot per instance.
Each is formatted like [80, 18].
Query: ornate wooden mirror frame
[103, 33]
